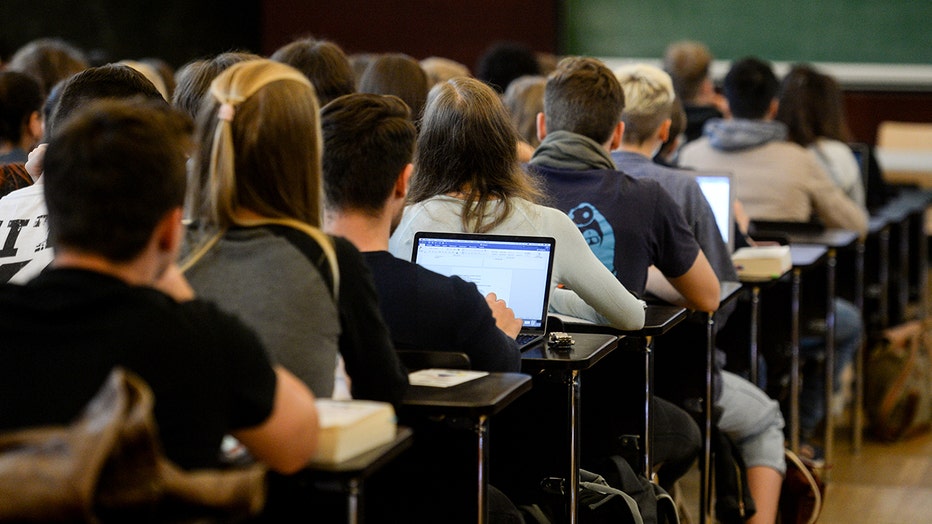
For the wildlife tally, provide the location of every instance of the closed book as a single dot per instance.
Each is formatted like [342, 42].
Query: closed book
[762, 261]
[349, 428]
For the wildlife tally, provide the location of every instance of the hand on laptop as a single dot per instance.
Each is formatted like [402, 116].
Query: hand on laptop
[504, 316]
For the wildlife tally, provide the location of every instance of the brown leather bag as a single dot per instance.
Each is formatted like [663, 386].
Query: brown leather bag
[109, 463]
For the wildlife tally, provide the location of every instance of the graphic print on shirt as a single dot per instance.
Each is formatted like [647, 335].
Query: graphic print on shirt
[597, 231]
[26, 240]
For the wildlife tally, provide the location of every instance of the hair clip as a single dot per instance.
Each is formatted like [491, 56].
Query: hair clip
[226, 112]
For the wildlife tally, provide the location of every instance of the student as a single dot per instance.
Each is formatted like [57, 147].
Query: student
[48, 61]
[745, 413]
[780, 180]
[688, 63]
[631, 224]
[20, 116]
[24, 210]
[323, 63]
[524, 99]
[400, 75]
[475, 184]
[256, 249]
[114, 179]
[193, 79]
[368, 145]
[812, 107]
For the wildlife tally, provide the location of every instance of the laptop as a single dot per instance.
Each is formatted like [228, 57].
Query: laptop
[862, 154]
[719, 190]
[516, 268]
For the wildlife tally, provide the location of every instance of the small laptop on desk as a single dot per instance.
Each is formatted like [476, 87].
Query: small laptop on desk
[516, 268]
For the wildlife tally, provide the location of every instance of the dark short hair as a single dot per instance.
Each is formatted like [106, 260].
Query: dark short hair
[400, 75]
[584, 97]
[750, 86]
[503, 62]
[323, 63]
[193, 79]
[368, 140]
[107, 81]
[112, 171]
[20, 97]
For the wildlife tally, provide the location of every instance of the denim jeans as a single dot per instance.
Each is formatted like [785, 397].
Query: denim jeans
[848, 333]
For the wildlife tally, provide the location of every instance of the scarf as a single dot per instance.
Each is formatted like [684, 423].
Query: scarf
[566, 150]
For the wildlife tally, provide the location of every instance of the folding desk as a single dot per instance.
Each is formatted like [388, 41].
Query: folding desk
[476, 400]
[589, 348]
[350, 474]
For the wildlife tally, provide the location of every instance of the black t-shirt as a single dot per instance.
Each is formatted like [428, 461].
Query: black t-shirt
[425, 310]
[64, 331]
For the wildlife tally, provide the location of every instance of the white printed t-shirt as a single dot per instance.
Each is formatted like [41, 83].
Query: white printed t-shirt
[24, 233]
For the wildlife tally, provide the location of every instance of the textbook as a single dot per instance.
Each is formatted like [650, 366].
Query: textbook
[762, 261]
[349, 428]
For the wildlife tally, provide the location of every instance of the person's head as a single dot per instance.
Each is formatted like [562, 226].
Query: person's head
[750, 88]
[107, 81]
[400, 75]
[687, 62]
[259, 146]
[114, 172]
[323, 62]
[20, 110]
[166, 73]
[648, 101]
[811, 105]
[368, 144]
[152, 74]
[480, 164]
[503, 62]
[583, 96]
[193, 79]
[670, 147]
[524, 100]
[48, 61]
[440, 69]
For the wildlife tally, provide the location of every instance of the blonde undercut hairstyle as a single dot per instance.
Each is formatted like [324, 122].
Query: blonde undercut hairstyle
[260, 150]
[648, 100]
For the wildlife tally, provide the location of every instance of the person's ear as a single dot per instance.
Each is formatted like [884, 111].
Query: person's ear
[617, 134]
[169, 232]
[401, 184]
[541, 126]
[664, 132]
[35, 126]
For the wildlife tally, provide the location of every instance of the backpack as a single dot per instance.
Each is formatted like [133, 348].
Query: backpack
[898, 380]
[619, 497]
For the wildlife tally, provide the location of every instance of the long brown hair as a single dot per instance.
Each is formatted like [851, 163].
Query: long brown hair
[812, 106]
[468, 146]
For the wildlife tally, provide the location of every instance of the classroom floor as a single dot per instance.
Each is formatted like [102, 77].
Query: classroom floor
[883, 484]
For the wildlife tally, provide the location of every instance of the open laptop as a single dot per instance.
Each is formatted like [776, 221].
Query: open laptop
[862, 153]
[516, 268]
[719, 189]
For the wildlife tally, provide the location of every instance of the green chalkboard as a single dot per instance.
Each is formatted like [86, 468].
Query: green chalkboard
[859, 31]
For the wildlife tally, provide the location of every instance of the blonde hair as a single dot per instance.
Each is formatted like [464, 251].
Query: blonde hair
[260, 137]
[649, 99]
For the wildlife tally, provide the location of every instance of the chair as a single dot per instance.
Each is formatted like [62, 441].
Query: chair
[422, 359]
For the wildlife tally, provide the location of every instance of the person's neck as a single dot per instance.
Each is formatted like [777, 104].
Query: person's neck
[136, 272]
[646, 149]
[366, 232]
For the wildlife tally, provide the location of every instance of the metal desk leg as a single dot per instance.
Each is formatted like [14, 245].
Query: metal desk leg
[755, 327]
[857, 411]
[573, 477]
[482, 495]
[648, 408]
[352, 501]
[794, 362]
[705, 482]
[830, 361]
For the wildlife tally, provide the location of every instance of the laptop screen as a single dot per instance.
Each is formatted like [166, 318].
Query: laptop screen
[720, 192]
[516, 268]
